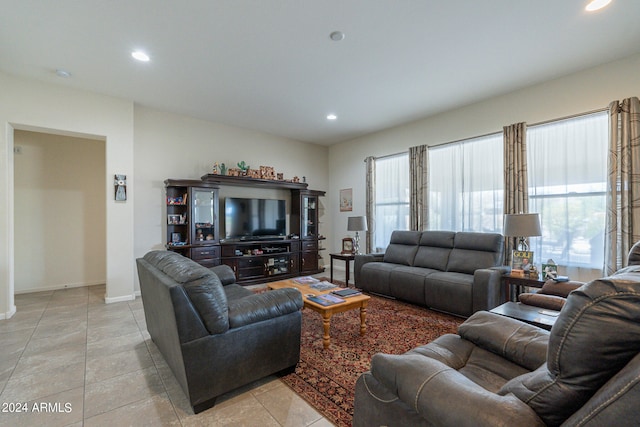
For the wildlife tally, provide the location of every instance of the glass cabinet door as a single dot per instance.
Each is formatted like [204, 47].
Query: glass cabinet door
[308, 217]
[204, 216]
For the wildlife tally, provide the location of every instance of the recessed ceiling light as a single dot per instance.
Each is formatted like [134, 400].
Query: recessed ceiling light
[140, 55]
[63, 73]
[331, 117]
[337, 36]
[596, 5]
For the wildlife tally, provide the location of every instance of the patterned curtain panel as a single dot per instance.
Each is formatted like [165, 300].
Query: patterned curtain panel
[418, 186]
[371, 202]
[516, 188]
[623, 187]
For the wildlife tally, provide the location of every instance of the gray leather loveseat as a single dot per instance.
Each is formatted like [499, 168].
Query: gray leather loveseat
[214, 334]
[456, 272]
[502, 372]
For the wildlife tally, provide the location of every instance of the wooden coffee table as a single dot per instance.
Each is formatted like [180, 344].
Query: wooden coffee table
[350, 303]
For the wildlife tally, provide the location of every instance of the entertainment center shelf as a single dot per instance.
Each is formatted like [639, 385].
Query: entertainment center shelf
[254, 260]
[193, 229]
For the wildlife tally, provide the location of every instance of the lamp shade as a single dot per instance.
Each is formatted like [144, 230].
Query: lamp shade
[522, 225]
[357, 223]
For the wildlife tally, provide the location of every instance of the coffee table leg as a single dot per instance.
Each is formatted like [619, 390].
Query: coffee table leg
[326, 325]
[363, 318]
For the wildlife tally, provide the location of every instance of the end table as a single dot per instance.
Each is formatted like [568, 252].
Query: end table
[347, 258]
[514, 284]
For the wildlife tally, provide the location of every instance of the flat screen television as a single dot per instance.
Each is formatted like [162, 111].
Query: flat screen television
[254, 219]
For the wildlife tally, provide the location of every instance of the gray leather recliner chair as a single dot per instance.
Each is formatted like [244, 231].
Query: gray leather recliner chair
[214, 334]
[502, 372]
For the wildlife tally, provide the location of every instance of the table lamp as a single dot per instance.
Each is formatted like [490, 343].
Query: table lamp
[522, 226]
[357, 223]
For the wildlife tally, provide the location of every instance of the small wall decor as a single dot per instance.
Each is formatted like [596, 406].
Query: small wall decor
[346, 200]
[120, 188]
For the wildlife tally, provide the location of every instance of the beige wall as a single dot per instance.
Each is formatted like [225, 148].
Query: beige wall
[60, 222]
[581, 92]
[55, 109]
[173, 146]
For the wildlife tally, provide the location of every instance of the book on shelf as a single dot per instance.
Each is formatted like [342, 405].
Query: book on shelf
[347, 292]
[325, 299]
[306, 280]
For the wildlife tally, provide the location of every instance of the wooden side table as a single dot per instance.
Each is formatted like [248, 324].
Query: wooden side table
[514, 284]
[347, 258]
[527, 313]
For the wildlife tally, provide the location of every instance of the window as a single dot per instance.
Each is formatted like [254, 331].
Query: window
[392, 198]
[567, 172]
[466, 183]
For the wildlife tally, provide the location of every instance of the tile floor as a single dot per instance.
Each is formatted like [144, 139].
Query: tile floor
[94, 364]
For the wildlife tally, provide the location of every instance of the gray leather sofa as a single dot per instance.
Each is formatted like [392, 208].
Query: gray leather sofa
[214, 334]
[502, 372]
[458, 273]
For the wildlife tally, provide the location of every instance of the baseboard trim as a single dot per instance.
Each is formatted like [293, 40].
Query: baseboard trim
[56, 287]
[9, 314]
[123, 298]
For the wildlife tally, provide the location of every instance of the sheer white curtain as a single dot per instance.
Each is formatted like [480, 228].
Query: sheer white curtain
[391, 198]
[466, 185]
[567, 184]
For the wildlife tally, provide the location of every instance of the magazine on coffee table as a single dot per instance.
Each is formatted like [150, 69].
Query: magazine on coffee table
[306, 280]
[325, 299]
[347, 292]
[323, 286]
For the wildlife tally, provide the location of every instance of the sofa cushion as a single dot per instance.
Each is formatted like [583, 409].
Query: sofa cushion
[473, 251]
[597, 334]
[434, 249]
[208, 296]
[451, 292]
[402, 248]
[407, 283]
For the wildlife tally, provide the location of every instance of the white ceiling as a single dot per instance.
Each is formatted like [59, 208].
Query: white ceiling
[270, 65]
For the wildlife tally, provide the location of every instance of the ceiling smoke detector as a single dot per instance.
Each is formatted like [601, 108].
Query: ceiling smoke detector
[337, 36]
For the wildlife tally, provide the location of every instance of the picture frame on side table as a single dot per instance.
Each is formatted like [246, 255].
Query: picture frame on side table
[522, 260]
[347, 246]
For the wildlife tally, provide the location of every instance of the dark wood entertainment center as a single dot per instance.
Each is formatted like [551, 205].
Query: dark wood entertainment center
[193, 230]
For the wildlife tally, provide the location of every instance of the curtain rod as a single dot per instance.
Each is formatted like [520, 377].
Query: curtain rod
[573, 116]
[386, 156]
[544, 122]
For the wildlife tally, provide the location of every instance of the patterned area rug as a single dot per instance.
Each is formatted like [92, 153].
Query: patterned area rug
[327, 378]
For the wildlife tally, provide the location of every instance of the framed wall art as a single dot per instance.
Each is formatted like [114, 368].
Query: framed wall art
[346, 200]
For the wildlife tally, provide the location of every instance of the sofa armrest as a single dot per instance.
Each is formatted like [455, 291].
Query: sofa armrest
[225, 274]
[444, 396]
[519, 342]
[488, 291]
[264, 306]
[361, 260]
